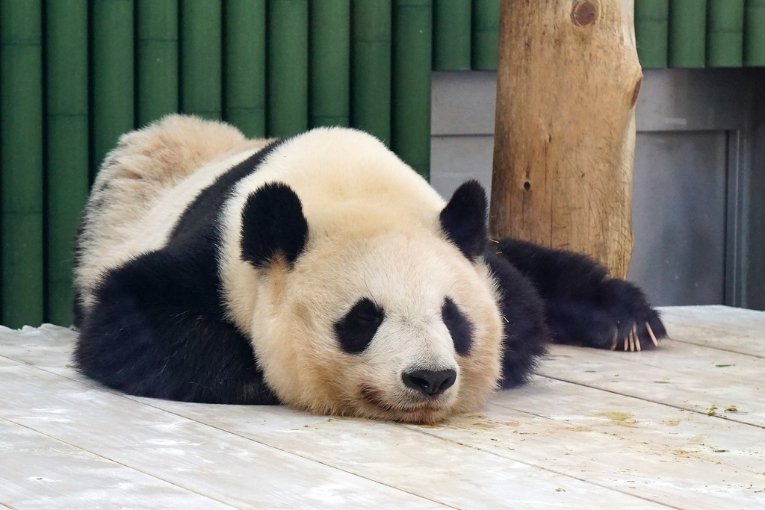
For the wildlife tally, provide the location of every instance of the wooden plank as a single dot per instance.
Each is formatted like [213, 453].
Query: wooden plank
[610, 451]
[47, 346]
[37, 471]
[640, 426]
[719, 327]
[400, 456]
[229, 468]
[678, 374]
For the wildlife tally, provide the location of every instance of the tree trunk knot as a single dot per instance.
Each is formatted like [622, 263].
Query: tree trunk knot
[584, 13]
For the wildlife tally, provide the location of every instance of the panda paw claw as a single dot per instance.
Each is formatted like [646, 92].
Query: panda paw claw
[634, 340]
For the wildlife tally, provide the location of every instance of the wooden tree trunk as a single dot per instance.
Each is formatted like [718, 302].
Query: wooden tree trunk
[568, 80]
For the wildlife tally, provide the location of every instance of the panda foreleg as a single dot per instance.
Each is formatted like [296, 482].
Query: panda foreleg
[583, 305]
[525, 332]
[151, 333]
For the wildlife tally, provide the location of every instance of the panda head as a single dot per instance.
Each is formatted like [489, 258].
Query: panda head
[360, 316]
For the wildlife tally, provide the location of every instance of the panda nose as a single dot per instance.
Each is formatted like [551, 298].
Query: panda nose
[430, 382]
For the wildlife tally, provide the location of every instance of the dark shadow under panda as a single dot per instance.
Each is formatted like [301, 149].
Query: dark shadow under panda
[320, 272]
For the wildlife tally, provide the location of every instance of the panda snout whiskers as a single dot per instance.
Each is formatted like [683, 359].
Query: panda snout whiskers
[429, 382]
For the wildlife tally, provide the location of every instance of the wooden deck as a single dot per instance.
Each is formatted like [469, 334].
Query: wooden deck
[681, 427]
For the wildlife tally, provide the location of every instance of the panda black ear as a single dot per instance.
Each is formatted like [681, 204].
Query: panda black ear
[463, 220]
[273, 225]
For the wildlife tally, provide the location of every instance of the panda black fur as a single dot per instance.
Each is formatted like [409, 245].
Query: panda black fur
[319, 272]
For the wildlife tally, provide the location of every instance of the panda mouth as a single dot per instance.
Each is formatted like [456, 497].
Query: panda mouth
[375, 397]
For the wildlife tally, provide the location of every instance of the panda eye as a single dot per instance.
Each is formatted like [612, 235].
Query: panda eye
[458, 325]
[357, 328]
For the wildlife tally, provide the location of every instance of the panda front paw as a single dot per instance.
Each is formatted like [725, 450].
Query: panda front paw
[613, 314]
[637, 325]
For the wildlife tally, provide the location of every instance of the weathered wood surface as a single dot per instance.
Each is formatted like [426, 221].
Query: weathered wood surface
[680, 427]
[568, 77]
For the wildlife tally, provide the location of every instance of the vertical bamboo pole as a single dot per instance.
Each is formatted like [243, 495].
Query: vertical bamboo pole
[568, 81]
[245, 65]
[687, 33]
[156, 59]
[652, 32]
[725, 33]
[371, 30]
[112, 74]
[287, 82]
[754, 33]
[67, 149]
[21, 163]
[329, 62]
[485, 18]
[411, 70]
[200, 62]
[451, 34]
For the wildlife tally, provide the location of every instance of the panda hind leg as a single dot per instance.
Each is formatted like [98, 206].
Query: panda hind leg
[583, 305]
[146, 335]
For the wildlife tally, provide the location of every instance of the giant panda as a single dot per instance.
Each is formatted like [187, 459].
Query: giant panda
[321, 272]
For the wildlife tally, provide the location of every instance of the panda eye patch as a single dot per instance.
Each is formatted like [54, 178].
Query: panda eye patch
[356, 330]
[458, 325]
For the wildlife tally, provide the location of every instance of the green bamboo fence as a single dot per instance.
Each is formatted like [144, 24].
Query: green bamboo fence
[76, 74]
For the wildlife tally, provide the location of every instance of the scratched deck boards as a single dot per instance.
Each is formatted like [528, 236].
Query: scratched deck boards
[682, 427]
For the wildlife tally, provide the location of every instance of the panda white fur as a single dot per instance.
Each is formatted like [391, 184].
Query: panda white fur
[321, 272]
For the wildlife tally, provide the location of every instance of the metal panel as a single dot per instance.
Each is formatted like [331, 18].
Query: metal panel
[460, 158]
[679, 216]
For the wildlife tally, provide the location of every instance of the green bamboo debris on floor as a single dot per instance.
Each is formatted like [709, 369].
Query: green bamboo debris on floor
[330, 59]
[244, 96]
[156, 59]
[200, 63]
[21, 163]
[66, 161]
[411, 76]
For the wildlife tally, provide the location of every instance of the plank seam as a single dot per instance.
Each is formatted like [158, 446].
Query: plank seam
[675, 406]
